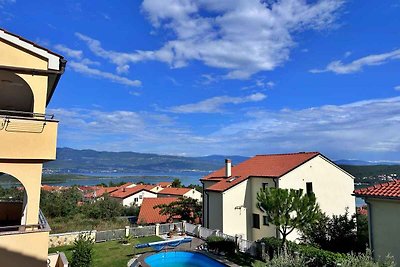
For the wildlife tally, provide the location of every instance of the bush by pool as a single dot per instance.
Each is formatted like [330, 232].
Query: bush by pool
[181, 259]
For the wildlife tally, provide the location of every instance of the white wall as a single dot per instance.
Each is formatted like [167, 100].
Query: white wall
[139, 195]
[194, 194]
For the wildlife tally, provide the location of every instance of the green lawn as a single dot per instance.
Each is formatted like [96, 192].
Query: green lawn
[111, 253]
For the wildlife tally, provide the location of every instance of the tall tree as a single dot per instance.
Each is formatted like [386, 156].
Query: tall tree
[186, 208]
[176, 183]
[288, 209]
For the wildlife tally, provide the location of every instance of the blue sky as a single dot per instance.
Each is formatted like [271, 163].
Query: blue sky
[188, 77]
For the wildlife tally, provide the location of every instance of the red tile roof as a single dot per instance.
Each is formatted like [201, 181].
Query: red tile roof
[149, 214]
[385, 190]
[51, 188]
[126, 192]
[174, 191]
[274, 165]
[100, 191]
[164, 184]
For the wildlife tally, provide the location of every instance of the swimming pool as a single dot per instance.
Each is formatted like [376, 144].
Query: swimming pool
[181, 259]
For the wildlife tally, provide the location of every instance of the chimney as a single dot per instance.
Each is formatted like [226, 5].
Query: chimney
[228, 168]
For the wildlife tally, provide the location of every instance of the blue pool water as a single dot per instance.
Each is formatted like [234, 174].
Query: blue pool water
[181, 259]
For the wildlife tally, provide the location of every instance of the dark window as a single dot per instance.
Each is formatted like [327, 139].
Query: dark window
[256, 221]
[264, 185]
[265, 220]
[309, 188]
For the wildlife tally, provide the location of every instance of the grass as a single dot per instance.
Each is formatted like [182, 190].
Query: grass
[111, 253]
[82, 223]
[243, 259]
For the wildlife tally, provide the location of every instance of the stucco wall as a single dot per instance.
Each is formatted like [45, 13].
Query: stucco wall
[29, 249]
[214, 214]
[13, 56]
[235, 212]
[385, 222]
[194, 194]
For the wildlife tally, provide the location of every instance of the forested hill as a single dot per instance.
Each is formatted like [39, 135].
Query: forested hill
[73, 160]
[372, 170]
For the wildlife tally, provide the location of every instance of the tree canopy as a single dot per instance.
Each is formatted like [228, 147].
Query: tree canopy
[186, 208]
[288, 209]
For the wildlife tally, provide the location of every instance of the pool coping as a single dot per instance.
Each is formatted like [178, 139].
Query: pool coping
[220, 259]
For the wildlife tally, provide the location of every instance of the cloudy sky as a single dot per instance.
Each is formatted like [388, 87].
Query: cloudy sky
[200, 77]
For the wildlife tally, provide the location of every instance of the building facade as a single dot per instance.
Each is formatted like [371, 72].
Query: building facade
[29, 75]
[230, 194]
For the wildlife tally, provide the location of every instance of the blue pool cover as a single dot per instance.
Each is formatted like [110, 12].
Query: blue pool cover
[157, 246]
[181, 259]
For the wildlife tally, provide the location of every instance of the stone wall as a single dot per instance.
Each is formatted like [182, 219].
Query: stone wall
[65, 239]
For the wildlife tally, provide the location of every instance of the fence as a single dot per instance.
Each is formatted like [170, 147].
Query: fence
[142, 231]
[245, 246]
[109, 235]
[166, 228]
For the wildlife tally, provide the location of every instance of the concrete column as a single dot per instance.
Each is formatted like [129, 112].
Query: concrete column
[198, 230]
[184, 226]
[157, 229]
[126, 231]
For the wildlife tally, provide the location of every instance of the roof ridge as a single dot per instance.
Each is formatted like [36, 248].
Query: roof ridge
[292, 153]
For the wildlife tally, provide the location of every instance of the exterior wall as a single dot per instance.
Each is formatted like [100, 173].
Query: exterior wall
[332, 187]
[13, 56]
[384, 221]
[140, 195]
[213, 210]
[235, 211]
[256, 183]
[194, 194]
[156, 189]
[26, 249]
[30, 175]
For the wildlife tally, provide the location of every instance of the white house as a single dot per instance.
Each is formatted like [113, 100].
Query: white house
[134, 195]
[180, 192]
[230, 193]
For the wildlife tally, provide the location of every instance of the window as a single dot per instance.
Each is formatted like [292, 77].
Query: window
[140, 196]
[309, 188]
[136, 199]
[265, 220]
[256, 221]
[264, 185]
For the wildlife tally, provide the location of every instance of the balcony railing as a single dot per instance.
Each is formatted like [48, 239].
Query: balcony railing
[26, 115]
[41, 226]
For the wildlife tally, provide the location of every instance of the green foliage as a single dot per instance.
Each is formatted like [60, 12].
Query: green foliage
[11, 194]
[60, 204]
[186, 208]
[288, 209]
[105, 208]
[197, 187]
[338, 234]
[365, 260]
[220, 244]
[176, 183]
[132, 210]
[286, 260]
[83, 251]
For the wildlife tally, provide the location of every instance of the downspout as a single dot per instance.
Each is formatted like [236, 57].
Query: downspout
[276, 183]
[371, 236]
[208, 209]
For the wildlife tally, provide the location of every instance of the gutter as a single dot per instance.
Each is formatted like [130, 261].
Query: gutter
[63, 63]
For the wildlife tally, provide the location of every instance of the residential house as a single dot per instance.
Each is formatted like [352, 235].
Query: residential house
[134, 195]
[99, 192]
[180, 192]
[165, 184]
[150, 215]
[383, 201]
[230, 193]
[29, 74]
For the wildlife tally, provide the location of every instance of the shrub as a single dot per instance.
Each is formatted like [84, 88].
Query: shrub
[220, 244]
[286, 260]
[82, 255]
[365, 260]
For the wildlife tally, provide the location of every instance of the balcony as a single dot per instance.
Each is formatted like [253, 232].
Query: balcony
[22, 245]
[25, 135]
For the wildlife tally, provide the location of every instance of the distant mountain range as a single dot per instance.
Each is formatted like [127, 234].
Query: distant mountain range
[77, 161]
[73, 160]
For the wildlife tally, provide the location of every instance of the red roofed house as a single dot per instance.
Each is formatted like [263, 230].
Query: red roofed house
[180, 192]
[383, 202]
[150, 215]
[165, 184]
[230, 193]
[99, 192]
[134, 195]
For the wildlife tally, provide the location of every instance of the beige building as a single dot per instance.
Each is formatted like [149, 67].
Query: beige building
[383, 202]
[129, 196]
[230, 194]
[29, 75]
[180, 192]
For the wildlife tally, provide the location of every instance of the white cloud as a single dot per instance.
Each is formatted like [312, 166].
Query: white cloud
[242, 36]
[83, 68]
[397, 88]
[339, 67]
[351, 130]
[216, 104]
[72, 53]
[260, 84]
